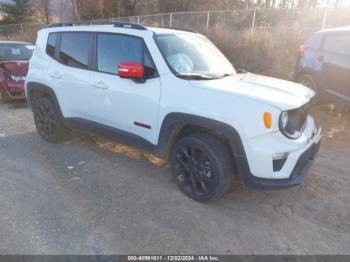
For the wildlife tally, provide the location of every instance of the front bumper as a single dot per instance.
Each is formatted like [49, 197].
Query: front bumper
[12, 90]
[260, 172]
[297, 176]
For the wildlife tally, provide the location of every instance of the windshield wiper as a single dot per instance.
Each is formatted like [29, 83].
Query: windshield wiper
[195, 76]
[223, 75]
[241, 71]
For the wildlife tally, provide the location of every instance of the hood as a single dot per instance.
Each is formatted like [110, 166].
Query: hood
[282, 94]
[16, 68]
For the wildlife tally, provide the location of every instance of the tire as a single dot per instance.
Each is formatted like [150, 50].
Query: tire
[308, 81]
[202, 167]
[4, 99]
[48, 121]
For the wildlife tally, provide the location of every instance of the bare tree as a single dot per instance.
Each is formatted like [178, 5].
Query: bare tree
[128, 7]
[61, 11]
[74, 4]
[89, 9]
[43, 6]
[46, 10]
[313, 3]
[174, 6]
[96, 9]
[111, 8]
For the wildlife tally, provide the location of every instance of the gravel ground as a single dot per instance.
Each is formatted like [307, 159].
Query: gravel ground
[93, 196]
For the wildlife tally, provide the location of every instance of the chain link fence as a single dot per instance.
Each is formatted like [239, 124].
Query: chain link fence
[236, 20]
[254, 19]
[20, 32]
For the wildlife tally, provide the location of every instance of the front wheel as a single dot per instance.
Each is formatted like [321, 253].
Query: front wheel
[202, 167]
[3, 99]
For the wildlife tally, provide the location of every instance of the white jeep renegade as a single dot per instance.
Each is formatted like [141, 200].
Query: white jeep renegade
[172, 92]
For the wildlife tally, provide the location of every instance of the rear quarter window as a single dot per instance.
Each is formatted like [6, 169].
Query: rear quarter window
[51, 44]
[74, 49]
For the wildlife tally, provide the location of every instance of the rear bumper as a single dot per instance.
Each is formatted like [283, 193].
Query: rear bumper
[297, 176]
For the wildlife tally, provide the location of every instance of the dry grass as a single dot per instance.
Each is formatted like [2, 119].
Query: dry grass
[272, 53]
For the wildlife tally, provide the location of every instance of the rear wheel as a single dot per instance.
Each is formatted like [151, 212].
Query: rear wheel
[202, 167]
[48, 121]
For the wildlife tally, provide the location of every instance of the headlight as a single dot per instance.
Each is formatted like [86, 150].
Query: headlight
[289, 124]
[284, 119]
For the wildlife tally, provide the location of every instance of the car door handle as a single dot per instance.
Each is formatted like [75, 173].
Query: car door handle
[320, 58]
[101, 85]
[55, 75]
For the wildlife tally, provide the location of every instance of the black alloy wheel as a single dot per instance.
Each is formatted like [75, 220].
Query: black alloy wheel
[48, 121]
[201, 166]
[194, 171]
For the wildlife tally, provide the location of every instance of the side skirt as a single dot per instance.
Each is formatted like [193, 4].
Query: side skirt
[93, 128]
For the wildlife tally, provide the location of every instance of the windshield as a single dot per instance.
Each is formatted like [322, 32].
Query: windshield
[194, 56]
[13, 52]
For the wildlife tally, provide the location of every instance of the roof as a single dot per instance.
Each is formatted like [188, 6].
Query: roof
[338, 29]
[160, 31]
[86, 26]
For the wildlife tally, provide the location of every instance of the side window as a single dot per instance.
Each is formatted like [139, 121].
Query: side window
[113, 49]
[339, 44]
[74, 49]
[51, 44]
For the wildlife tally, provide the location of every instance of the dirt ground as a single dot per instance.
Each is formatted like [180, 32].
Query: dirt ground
[93, 196]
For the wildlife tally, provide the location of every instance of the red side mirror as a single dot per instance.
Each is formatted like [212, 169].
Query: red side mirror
[130, 70]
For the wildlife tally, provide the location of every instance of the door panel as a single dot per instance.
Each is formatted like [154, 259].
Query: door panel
[73, 90]
[70, 76]
[336, 65]
[121, 103]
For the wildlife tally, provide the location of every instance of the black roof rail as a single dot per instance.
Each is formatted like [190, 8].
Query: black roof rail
[115, 24]
[129, 25]
[184, 29]
[59, 25]
[180, 29]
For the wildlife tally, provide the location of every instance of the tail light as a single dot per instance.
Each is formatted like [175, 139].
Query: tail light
[302, 49]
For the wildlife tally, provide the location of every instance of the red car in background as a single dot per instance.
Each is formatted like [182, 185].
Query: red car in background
[14, 58]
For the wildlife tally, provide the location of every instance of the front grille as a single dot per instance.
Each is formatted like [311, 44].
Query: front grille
[15, 91]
